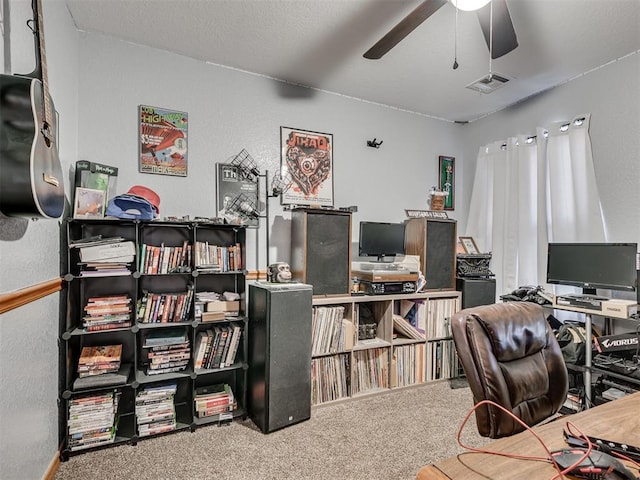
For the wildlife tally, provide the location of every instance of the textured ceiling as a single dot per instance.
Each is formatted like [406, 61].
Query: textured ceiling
[319, 44]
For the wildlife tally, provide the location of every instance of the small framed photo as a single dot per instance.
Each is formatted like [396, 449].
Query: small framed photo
[89, 203]
[469, 245]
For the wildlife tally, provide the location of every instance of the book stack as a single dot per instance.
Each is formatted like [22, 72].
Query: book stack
[109, 256]
[155, 410]
[107, 313]
[164, 307]
[214, 400]
[217, 347]
[213, 306]
[163, 259]
[99, 360]
[168, 351]
[218, 258]
[92, 420]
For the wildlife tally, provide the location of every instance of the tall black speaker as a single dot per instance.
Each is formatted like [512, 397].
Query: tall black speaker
[321, 250]
[476, 291]
[434, 240]
[279, 392]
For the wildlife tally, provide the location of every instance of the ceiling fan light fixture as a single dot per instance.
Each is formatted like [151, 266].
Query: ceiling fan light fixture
[469, 5]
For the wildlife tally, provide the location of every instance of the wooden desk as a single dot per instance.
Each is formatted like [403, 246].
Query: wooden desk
[617, 421]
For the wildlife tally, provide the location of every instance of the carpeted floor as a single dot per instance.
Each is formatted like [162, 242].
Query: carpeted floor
[386, 436]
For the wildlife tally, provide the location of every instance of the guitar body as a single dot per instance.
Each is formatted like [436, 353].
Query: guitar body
[31, 183]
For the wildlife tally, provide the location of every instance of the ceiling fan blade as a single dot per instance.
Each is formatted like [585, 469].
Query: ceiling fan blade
[407, 25]
[504, 35]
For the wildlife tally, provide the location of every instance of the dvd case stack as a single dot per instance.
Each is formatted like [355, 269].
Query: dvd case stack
[155, 409]
[92, 420]
[168, 351]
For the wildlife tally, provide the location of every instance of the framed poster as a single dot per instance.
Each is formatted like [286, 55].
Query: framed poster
[307, 159]
[447, 180]
[163, 141]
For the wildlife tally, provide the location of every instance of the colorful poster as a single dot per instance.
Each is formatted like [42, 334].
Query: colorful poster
[307, 161]
[163, 141]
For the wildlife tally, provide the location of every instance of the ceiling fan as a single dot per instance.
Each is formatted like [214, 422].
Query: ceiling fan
[504, 36]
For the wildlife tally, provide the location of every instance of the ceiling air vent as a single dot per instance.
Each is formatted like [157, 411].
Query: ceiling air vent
[489, 83]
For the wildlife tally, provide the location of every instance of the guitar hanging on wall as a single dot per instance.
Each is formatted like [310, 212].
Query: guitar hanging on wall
[31, 183]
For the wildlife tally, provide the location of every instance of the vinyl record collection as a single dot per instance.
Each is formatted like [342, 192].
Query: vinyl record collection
[331, 332]
[371, 370]
[330, 378]
[410, 364]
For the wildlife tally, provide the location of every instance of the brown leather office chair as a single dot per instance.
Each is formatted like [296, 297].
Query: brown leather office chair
[510, 356]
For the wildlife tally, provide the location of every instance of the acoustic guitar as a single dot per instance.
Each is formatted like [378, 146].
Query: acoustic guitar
[31, 183]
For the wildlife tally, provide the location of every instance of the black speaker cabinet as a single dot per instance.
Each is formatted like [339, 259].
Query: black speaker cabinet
[279, 392]
[321, 250]
[476, 291]
[434, 240]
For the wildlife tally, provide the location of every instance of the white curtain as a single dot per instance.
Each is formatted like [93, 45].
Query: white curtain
[530, 190]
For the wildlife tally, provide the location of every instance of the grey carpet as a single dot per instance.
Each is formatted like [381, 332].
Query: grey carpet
[386, 436]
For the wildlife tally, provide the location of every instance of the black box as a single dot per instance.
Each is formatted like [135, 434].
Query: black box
[280, 317]
[476, 291]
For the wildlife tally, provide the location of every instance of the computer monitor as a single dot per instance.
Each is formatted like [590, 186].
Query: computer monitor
[610, 266]
[380, 239]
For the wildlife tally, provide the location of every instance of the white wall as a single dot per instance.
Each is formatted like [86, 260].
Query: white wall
[612, 96]
[97, 84]
[230, 110]
[29, 254]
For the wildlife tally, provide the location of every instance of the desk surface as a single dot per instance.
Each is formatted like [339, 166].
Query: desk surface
[616, 421]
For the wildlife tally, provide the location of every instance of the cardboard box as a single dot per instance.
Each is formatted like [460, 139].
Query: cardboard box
[223, 306]
[212, 316]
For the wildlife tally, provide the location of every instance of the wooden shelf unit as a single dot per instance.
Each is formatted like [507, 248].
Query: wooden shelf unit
[351, 366]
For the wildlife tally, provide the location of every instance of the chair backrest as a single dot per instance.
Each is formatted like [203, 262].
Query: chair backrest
[510, 355]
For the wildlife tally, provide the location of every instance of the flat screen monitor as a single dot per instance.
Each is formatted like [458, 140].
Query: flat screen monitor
[380, 239]
[610, 266]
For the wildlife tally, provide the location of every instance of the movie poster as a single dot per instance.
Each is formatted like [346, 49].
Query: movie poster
[307, 163]
[163, 141]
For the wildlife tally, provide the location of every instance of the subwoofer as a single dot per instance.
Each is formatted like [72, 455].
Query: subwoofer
[434, 240]
[280, 317]
[321, 250]
[476, 291]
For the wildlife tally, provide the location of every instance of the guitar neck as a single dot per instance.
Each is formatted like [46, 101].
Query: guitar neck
[47, 114]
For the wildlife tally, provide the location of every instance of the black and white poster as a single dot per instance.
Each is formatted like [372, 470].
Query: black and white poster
[237, 196]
